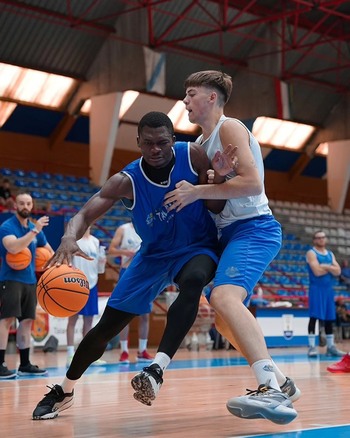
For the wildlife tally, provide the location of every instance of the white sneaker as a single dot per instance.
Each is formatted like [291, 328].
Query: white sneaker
[265, 402]
[98, 363]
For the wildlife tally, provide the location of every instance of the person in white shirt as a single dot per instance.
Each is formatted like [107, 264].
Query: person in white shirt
[125, 244]
[91, 246]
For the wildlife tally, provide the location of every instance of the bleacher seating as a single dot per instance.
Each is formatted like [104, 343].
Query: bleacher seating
[65, 194]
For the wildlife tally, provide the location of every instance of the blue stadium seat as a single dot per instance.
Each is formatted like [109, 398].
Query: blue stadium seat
[20, 183]
[71, 178]
[33, 184]
[47, 185]
[20, 173]
[72, 188]
[6, 172]
[46, 175]
[83, 180]
[59, 177]
[50, 196]
[61, 186]
[32, 174]
[36, 195]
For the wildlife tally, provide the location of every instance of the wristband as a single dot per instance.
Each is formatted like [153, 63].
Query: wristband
[35, 231]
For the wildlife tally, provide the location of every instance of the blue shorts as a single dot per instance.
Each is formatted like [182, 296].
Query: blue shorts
[321, 303]
[248, 246]
[145, 278]
[91, 307]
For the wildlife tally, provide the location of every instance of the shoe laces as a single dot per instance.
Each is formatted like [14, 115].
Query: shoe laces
[50, 396]
[262, 389]
[155, 371]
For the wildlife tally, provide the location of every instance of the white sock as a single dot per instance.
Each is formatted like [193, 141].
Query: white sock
[281, 378]
[312, 341]
[68, 385]
[330, 340]
[162, 359]
[264, 373]
[142, 345]
[70, 350]
[124, 346]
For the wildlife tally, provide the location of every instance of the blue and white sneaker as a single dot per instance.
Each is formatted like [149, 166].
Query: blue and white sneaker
[265, 402]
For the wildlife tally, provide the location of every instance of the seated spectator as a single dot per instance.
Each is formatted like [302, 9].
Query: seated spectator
[345, 273]
[7, 200]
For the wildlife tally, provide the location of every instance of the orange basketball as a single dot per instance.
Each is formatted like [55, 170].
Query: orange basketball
[19, 261]
[62, 291]
[42, 255]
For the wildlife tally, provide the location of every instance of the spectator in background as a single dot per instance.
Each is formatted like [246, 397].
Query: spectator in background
[125, 243]
[91, 247]
[323, 268]
[345, 273]
[7, 200]
[18, 287]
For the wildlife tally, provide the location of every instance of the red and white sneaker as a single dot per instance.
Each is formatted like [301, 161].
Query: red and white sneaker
[144, 357]
[124, 357]
[342, 366]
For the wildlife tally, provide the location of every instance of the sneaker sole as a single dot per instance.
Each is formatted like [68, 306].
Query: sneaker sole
[278, 415]
[52, 415]
[10, 376]
[23, 373]
[143, 390]
[338, 371]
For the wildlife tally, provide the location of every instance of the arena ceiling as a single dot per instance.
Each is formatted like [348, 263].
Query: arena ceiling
[310, 38]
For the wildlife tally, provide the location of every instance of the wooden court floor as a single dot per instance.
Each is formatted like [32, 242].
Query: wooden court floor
[191, 403]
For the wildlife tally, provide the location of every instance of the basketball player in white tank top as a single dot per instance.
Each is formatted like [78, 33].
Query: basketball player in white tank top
[250, 238]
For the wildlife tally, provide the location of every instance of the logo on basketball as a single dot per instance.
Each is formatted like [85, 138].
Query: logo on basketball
[82, 283]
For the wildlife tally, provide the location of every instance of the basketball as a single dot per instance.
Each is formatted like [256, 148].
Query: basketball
[42, 255]
[62, 291]
[19, 261]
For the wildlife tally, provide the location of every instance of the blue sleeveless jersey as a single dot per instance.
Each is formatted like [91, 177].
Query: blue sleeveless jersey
[326, 280]
[163, 233]
[321, 292]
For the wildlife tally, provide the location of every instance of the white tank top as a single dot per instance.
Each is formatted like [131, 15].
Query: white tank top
[90, 245]
[238, 208]
[131, 240]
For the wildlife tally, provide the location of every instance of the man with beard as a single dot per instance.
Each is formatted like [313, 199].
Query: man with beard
[18, 287]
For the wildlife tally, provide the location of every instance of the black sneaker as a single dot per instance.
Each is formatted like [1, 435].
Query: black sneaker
[54, 402]
[31, 370]
[5, 373]
[147, 384]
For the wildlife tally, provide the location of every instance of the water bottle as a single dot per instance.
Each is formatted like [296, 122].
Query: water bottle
[101, 266]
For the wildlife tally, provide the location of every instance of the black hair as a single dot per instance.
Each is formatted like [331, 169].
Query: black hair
[155, 119]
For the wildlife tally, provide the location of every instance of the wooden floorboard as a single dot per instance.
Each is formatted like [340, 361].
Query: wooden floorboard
[191, 403]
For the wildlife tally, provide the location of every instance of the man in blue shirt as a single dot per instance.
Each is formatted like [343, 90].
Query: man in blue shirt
[18, 287]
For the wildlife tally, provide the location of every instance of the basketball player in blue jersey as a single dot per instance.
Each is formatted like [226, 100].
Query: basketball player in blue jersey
[323, 268]
[250, 238]
[178, 248]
